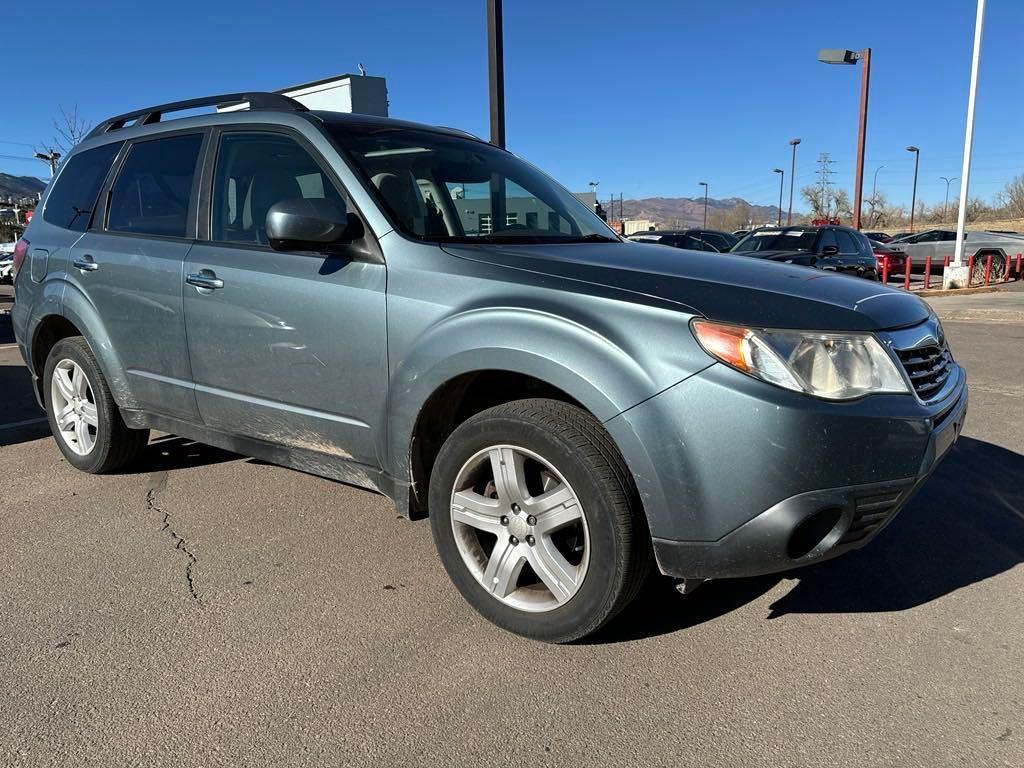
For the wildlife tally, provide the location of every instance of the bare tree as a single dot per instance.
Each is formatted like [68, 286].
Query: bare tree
[875, 215]
[1012, 198]
[70, 129]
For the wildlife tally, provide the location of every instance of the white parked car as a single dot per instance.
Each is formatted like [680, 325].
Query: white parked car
[940, 243]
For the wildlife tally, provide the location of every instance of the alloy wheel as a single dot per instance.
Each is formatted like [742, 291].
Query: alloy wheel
[520, 528]
[74, 406]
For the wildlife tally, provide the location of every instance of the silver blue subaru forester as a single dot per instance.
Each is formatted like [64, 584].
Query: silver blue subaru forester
[409, 309]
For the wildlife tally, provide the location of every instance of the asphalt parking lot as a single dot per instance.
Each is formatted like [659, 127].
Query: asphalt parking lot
[206, 609]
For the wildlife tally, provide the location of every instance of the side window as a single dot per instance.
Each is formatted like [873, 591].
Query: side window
[847, 245]
[828, 237]
[71, 201]
[253, 172]
[153, 189]
[718, 241]
[947, 236]
[928, 237]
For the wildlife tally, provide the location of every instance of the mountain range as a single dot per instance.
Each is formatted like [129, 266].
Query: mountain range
[20, 186]
[733, 212]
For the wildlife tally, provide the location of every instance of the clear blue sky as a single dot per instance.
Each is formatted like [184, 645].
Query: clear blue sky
[648, 97]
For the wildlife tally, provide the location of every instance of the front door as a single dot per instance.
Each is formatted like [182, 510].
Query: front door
[130, 266]
[287, 347]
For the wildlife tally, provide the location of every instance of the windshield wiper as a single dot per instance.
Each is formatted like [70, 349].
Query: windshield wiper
[592, 238]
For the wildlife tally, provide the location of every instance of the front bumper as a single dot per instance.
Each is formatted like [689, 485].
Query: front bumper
[804, 482]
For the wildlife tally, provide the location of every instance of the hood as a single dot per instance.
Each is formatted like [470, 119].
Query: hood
[725, 287]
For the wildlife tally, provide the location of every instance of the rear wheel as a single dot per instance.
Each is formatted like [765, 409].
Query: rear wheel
[83, 416]
[535, 519]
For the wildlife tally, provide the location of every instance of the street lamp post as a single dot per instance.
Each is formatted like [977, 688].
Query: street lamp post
[792, 178]
[782, 179]
[945, 202]
[842, 56]
[874, 184]
[913, 194]
[496, 71]
[593, 186]
[705, 185]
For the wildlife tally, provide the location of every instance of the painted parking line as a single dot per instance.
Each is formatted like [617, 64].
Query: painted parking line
[25, 423]
[8, 346]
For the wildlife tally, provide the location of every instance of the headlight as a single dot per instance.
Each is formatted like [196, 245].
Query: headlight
[835, 366]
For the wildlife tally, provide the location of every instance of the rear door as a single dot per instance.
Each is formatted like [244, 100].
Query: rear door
[848, 261]
[129, 264]
[291, 347]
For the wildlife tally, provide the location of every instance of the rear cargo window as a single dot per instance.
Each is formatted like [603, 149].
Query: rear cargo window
[154, 187]
[73, 197]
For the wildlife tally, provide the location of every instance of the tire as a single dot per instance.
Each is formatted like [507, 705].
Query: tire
[563, 458]
[98, 441]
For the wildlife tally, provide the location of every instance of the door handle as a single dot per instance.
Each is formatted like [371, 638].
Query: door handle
[85, 263]
[204, 279]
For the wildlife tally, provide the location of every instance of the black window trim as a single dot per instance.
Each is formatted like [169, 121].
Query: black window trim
[205, 209]
[190, 216]
[114, 163]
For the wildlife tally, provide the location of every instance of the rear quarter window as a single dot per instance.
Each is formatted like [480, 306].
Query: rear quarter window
[73, 197]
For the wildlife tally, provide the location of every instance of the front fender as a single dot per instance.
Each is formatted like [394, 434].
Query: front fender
[604, 374]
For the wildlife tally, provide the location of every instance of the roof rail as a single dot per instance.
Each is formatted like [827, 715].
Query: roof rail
[149, 115]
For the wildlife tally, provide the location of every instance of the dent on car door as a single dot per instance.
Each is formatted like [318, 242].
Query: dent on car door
[289, 347]
[130, 265]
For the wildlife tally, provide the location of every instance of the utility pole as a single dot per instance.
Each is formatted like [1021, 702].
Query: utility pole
[705, 185]
[496, 69]
[825, 163]
[50, 157]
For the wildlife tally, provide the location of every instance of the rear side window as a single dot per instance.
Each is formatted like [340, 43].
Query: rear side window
[71, 201]
[154, 187]
[847, 245]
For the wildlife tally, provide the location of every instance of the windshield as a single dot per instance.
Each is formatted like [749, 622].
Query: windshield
[771, 240]
[444, 188]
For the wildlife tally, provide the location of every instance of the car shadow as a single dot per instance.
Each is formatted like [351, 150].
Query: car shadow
[965, 525]
[169, 452]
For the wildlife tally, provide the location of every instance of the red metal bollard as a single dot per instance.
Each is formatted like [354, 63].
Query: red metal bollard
[1006, 269]
[945, 262]
[906, 276]
[885, 270]
[988, 268]
[1017, 270]
[970, 271]
[927, 272]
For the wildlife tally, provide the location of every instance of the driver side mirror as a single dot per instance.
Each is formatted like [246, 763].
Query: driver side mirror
[312, 224]
[829, 250]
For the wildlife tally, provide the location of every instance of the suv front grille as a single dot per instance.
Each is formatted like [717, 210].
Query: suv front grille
[928, 368]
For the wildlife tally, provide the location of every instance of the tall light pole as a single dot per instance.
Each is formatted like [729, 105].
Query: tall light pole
[956, 274]
[705, 185]
[782, 179]
[842, 56]
[913, 195]
[496, 70]
[792, 178]
[593, 186]
[874, 184]
[945, 202]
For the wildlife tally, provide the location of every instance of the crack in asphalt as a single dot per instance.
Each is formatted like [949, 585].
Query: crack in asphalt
[157, 482]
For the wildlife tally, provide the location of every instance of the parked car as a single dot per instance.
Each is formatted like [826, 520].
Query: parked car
[896, 258]
[739, 233]
[692, 239]
[878, 237]
[940, 243]
[833, 248]
[568, 407]
[6, 268]
[899, 236]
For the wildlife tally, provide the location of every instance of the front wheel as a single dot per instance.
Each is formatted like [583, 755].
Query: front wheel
[536, 522]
